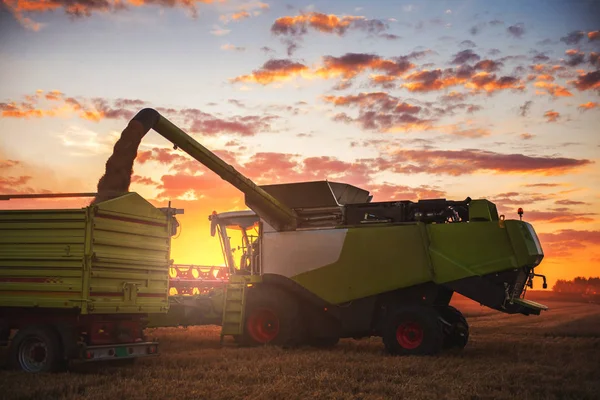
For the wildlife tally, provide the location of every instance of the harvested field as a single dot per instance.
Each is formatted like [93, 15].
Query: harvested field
[552, 356]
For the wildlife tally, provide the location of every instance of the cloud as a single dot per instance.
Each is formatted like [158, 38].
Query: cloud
[575, 57]
[594, 59]
[526, 136]
[588, 106]
[573, 38]
[351, 64]
[247, 10]
[489, 83]
[559, 217]
[143, 180]
[218, 31]
[524, 109]
[292, 28]
[427, 81]
[97, 109]
[274, 71]
[552, 89]
[488, 65]
[231, 47]
[565, 242]
[570, 203]
[551, 116]
[390, 192]
[468, 44]
[469, 161]
[85, 8]
[465, 56]
[379, 111]
[594, 35]
[587, 81]
[344, 67]
[300, 24]
[543, 185]
[94, 109]
[517, 30]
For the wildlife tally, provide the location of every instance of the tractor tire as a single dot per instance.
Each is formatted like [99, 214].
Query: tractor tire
[37, 349]
[413, 330]
[272, 317]
[456, 335]
[323, 342]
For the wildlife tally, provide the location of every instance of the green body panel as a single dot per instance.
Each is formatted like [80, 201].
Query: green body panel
[381, 258]
[468, 249]
[112, 257]
[374, 259]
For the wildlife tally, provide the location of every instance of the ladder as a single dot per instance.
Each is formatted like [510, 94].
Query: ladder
[233, 309]
[234, 304]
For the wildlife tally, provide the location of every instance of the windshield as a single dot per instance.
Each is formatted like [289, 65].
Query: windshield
[240, 247]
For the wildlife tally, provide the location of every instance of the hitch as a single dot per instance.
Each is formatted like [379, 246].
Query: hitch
[530, 281]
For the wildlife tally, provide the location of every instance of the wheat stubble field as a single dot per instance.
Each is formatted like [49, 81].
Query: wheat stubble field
[552, 356]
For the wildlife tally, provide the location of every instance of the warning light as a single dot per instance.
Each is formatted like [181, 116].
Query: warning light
[520, 212]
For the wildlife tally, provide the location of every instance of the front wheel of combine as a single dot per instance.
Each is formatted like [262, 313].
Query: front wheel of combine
[414, 330]
[456, 332]
[272, 317]
[37, 349]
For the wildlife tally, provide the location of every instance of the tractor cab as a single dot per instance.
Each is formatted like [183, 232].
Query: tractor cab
[238, 233]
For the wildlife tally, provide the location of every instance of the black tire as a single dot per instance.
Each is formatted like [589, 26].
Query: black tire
[323, 342]
[413, 330]
[456, 334]
[37, 349]
[272, 317]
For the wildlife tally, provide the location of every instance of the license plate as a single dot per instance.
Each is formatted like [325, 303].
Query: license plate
[121, 352]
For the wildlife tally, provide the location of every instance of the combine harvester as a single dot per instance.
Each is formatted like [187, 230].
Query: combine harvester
[319, 261]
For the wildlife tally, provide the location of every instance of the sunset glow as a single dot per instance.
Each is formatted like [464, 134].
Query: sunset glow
[496, 100]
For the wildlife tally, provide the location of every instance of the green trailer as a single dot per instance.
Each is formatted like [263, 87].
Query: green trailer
[78, 284]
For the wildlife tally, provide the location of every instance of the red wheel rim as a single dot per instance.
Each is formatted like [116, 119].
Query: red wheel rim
[263, 325]
[409, 335]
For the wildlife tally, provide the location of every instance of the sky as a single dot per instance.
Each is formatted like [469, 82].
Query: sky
[409, 100]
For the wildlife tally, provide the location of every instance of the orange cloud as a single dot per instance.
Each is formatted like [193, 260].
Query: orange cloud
[351, 64]
[552, 89]
[559, 216]
[298, 25]
[588, 106]
[587, 81]
[427, 81]
[594, 35]
[545, 77]
[552, 116]
[468, 161]
[251, 9]
[565, 242]
[274, 71]
[85, 8]
[489, 83]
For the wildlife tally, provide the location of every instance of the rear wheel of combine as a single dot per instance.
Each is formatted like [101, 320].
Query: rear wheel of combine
[272, 317]
[456, 334]
[37, 349]
[414, 330]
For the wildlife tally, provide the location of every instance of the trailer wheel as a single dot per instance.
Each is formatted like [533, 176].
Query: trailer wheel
[456, 335]
[37, 349]
[413, 331]
[272, 317]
